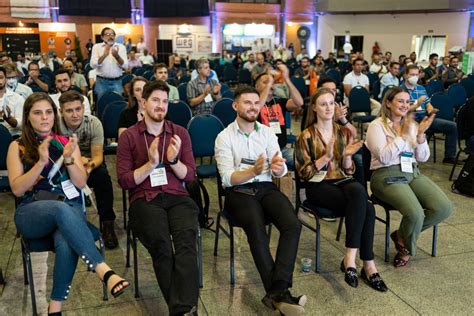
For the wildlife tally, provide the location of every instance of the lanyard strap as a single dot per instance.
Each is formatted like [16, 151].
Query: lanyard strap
[163, 150]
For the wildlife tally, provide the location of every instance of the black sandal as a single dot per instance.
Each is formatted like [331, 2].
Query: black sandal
[107, 276]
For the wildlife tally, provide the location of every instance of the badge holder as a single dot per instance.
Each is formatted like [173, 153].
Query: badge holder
[406, 162]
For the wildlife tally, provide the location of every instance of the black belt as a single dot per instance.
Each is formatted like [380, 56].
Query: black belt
[110, 79]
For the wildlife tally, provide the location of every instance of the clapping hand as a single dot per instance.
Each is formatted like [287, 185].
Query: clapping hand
[340, 112]
[43, 150]
[277, 164]
[259, 165]
[409, 130]
[70, 146]
[173, 148]
[216, 88]
[426, 123]
[352, 147]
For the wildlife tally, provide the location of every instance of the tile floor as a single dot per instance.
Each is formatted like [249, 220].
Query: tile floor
[428, 286]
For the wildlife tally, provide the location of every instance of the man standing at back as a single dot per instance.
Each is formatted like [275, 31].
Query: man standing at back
[109, 59]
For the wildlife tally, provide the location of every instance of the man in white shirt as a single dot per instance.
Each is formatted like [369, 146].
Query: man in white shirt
[247, 155]
[377, 66]
[301, 55]
[146, 58]
[347, 48]
[22, 62]
[11, 107]
[62, 79]
[390, 78]
[357, 78]
[250, 63]
[12, 81]
[141, 46]
[110, 60]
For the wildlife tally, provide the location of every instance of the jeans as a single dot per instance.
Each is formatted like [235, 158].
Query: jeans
[349, 200]
[287, 153]
[102, 86]
[67, 224]
[174, 261]
[251, 213]
[421, 202]
[99, 180]
[450, 130]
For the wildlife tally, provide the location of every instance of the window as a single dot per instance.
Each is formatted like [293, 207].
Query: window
[251, 1]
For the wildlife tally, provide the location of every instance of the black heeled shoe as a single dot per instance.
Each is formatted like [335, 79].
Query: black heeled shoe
[374, 281]
[107, 276]
[350, 275]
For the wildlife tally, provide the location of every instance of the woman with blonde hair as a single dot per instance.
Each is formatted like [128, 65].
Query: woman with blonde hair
[397, 143]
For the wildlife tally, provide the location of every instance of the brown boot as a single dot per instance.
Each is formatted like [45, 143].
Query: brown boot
[108, 234]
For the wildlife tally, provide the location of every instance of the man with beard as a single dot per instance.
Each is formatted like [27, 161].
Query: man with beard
[110, 60]
[90, 134]
[13, 77]
[62, 79]
[154, 159]
[176, 71]
[247, 155]
[77, 79]
[161, 73]
[11, 106]
[431, 72]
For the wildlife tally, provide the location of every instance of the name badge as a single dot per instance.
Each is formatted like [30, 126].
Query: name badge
[275, 126]
[307, 82]
[208, 98]
[246, 164]
[158, 176]
[320, 175]
[69, 189]
[406, 161]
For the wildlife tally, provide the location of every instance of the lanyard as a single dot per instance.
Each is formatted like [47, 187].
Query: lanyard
[163, 151]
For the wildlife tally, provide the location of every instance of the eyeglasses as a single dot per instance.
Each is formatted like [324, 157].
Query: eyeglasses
[109, 34]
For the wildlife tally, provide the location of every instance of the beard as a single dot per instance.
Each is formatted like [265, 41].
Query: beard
[249, 116]
[156, 117]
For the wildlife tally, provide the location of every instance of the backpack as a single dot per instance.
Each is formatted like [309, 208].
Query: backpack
[464, 184]
[198, 192]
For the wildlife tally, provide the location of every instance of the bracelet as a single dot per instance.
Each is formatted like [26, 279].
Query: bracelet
[69, 163]
[344, 124]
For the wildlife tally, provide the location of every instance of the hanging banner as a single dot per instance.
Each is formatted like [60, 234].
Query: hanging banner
[57, 37]
[30, 9]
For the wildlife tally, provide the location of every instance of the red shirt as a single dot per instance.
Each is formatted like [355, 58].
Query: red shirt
[132, 153]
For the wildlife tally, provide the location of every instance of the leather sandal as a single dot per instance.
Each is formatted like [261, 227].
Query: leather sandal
[400, 248]
[107, 276]
[398, 261]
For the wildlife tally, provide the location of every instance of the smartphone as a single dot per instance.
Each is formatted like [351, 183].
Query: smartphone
[396, 180]
[344, 180]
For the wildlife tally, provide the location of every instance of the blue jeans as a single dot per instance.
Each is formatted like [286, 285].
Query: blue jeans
[102, 86]
[67, 225]
[287, 153]
[450, 130]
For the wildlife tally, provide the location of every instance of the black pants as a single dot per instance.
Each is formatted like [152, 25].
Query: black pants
[177, 273]
[349, 200]
[251, 213]
[99, 180]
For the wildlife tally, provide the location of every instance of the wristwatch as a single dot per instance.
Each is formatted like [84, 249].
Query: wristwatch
[69, 163]
[173, 162]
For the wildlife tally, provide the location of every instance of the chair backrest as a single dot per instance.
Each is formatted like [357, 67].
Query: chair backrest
[435, 86]
[126, 79]
[179, 113]
[444, 104]
[359, 100]
[45, 71]
[372, 79]
[182, 87]
[105, 99]
[460, 122]
[192, 64]
[224, 111]
[203, 130]
[245, 76]
[300, 85]
[366, 159]
[110, 118]
[230, 74]
[139, 71]
[224, 87]
[376, 89]
[184, 79]
[229, 94]
[385, 90]
[458, 94]
[335, 75]
[468, 85]
[148, 74]
[219, 70]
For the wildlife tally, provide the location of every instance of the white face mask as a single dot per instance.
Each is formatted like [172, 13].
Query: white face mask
[413, 80]
[12, 83]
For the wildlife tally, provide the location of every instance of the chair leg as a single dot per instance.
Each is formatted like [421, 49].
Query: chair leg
[102, 252]
[387, 236]
[232, 274]
[124, 207]
[339, 229]
[435, 238]
[216, 238]
[127, 261]
[199, 240]
[32, 284]
[454, 166]
[318, 244]
[361, 130]
[25, 269]
[135, 265]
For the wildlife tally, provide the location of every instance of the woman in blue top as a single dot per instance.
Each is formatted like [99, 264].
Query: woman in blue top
[46, 175]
